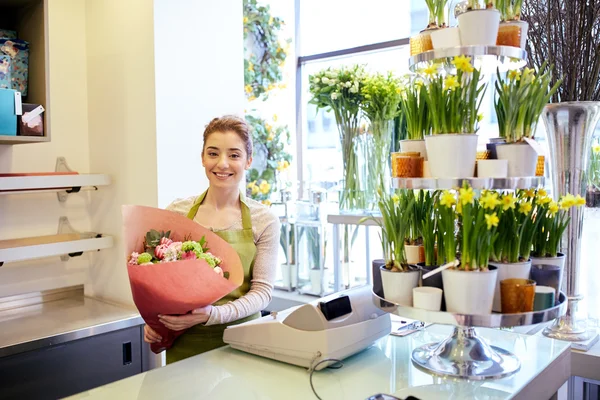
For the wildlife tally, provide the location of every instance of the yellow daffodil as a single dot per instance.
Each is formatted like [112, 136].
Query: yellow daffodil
[275, 117]
[459, 208]
[567, 201]
[543, 200]
[250, 67]
[264, 187]
[251, 185]
[596, 148]
[395, 199]
[430, 70]
[448, 199]
[255, 190]
[508, 201]
[463, 63]
[530, 193]
[248, 89]
[514, 75]
[282, 165]
[251, 98]
[525, 207]
[245, 20]
[270, 137]
[266, 203]
[553, 208]
[579, 201]
[268, 128]
[479, 117]
[491, 220]
[467, 196]
[489, 201]
[451, 83]
[542, 193]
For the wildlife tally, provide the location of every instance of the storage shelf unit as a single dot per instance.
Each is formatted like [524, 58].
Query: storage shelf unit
[476, 183]
[24, 249]
[55, 183]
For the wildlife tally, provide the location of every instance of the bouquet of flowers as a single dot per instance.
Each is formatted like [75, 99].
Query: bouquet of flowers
[171, 270]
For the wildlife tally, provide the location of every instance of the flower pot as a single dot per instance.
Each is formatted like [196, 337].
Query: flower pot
[289, 274]
[492, 168]
[398, 286]
[479, 27]
[414, 253]
[445, 37]
[522, 158]
[513, 33]
[421, 42]
[491, 147]
[517, 295]
[406, 166]
[548, 271]
[469, 292]
[520, 270]
[414, 146]
[427, 298]
[377, 285]
[433, 281]
[452, 155]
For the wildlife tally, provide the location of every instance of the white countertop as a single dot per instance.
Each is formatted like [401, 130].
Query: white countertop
[384, 368]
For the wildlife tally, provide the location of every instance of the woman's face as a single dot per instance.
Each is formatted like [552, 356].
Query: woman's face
[224, 159]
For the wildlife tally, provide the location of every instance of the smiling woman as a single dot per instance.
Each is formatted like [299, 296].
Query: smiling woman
[248, 226]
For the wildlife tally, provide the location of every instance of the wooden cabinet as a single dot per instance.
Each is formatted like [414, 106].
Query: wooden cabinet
[66, 369]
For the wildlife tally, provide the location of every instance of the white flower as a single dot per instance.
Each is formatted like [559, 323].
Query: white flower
[170, 254]
[331, 82]
[354, 89]
[348, 84]
[325, 79]
[334, 95]
[316, 79]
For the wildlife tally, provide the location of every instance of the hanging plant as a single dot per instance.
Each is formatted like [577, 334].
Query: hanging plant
[264, 52]
[270, 157]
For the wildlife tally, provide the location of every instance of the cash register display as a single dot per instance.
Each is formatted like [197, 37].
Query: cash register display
[336, 308]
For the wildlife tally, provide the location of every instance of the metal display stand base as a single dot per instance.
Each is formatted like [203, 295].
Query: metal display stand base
[466, 355]
[567, 327]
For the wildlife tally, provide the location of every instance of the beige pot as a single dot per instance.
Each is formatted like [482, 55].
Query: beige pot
[414, 254]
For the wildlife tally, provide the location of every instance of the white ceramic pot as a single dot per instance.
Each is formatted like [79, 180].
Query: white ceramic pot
[492, 168]
[522, 158]
[519, 270]
[479, 27]
[414, 145]
[398, 286]
[452, 155]
[558, 260]
[316, 283]
[524, 32]
[414, 254]
[427, 298]
[289, 275]
[469, 292]
[426, 170]
[445, 37]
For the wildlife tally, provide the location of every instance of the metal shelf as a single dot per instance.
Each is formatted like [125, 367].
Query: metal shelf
[5, 139]
[53, 183]
[484, 57]
[476, 183]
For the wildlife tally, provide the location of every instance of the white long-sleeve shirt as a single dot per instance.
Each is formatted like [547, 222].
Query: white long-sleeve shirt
[266, 231]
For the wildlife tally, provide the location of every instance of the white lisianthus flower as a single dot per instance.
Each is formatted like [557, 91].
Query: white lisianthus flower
[334, 95]
[354, 89]
[316, 79]
[348, 84]
[325, 80]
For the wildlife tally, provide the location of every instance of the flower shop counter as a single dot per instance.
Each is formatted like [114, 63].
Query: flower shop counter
[383, 368]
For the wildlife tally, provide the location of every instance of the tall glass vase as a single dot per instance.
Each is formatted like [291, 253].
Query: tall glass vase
[352, 192]
[382, 140]
[570, 127]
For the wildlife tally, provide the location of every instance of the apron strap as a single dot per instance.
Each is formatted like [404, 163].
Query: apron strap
[246, 217]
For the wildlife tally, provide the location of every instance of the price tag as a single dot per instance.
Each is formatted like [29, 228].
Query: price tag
[536, 146]
[29, 116]
[18, 104]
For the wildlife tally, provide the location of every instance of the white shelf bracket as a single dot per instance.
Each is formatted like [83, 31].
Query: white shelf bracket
[64, 226]
[62, 166]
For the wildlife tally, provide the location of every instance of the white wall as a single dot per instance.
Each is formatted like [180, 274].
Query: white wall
[199, 75]
[122, 126]
[33, 215]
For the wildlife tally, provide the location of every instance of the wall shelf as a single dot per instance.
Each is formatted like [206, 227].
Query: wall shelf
[54, 183]
[4, 139]
[72, 245]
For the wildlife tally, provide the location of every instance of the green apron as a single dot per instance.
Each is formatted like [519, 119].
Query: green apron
[200, 338]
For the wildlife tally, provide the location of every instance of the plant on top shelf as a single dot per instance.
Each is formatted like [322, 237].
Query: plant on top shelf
[381, 97]
[553, 220]
[396, 214]
[437, 16]
[414, 109]
[478, 230]
[339, 90]
[510, 10]
[516, 229]
[521, 98]
[453, 100]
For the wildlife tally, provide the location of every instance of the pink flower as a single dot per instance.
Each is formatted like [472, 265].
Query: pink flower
[188, 255]
[165, 241]
[133, 260]
[219, 271]
[176, 247]
[159, 251]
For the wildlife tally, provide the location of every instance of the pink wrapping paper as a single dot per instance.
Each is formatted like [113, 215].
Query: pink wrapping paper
[175, 287]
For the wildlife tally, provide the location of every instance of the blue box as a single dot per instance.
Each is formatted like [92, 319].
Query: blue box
[8, 116]
[18, 51]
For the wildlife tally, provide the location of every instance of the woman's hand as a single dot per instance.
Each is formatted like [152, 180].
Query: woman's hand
[150, 335]
[181, 322]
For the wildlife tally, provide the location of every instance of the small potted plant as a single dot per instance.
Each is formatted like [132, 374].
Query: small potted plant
[421, 42]
[516, 229]
[414, 111]
[512, 30]
[469, 288]
[521, 98]
[593, 175]
[479, 26]
[453, 102]
[445, 36]
[397, 276]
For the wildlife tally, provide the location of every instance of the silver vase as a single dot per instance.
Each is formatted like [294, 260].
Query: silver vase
[570, 127]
